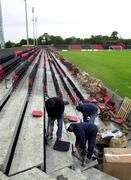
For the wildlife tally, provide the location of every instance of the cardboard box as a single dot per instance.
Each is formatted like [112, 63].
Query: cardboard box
[117, 162]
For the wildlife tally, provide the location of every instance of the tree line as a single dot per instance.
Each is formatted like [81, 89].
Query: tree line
[47, 39]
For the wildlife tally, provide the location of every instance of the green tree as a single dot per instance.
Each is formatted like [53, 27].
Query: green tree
[23, 42]
[68, 40]
[31, 41]
[55, 40]
[114, 35]
[9, 44]
[46, 38]
[40, 40]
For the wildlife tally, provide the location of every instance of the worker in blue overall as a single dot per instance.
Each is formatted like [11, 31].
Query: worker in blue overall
[84, 132]
[89, 111]
[55, 110]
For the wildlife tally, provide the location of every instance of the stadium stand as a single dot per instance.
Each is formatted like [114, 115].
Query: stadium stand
[97, 47]
[117, 47]
[106, 47]
[90, 47]
[74, 47]
[85, 46]
[127, 46]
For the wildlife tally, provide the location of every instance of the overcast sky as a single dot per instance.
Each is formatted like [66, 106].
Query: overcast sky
[66, 18]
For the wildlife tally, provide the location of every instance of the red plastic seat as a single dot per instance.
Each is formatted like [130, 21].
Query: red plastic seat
[72, 118]
[119, 120]
[37, 113]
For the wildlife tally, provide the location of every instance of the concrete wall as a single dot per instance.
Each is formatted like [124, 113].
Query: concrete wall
[118, 101]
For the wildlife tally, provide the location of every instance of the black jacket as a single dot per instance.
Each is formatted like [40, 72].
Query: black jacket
[57, 110]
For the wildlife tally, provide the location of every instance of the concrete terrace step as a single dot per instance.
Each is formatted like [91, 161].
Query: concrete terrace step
[11, 115]
[33, 174]
[69, 174]
[95, 174]
[5, 91]
[50, 84]
[29, 149]
[56, 160]
[3, 176]
[90, 174]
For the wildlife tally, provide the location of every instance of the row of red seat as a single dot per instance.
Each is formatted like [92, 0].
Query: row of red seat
[10, 61]
[19, 72]
[33, 73]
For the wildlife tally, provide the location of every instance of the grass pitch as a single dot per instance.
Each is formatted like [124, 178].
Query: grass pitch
[113, 68]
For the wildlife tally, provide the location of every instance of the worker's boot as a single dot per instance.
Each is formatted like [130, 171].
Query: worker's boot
[50, 131]
[93, 159]
[49, 135]
[88, 161]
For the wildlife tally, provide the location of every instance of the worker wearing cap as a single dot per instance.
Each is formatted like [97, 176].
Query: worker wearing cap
[84, 132]
[89, 111]
[55, 110]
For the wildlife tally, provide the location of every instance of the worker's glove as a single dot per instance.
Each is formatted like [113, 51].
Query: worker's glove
[77, 152]
[79, 149]
[80, 153]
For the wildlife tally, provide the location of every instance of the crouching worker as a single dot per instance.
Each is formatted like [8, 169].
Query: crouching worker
[84, 132]
[55, 110]
[89, 111]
